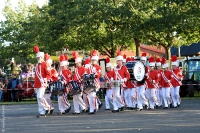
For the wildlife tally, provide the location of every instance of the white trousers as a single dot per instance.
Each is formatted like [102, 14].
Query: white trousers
[130, 97]
[160, 96]
[151, 96]
[78, 102]
[48, 99]
[63, 103]
[42, 103]
[92, 98]
[141, 96]
[117, 99]
[108, 98]
[85, 100]
[175, 95]
[166, 96]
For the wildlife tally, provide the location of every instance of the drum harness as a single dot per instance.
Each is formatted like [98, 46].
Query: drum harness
[176, 78]
[78, 76]
[165, 78]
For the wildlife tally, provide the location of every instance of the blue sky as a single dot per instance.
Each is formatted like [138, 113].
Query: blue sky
[15, 3]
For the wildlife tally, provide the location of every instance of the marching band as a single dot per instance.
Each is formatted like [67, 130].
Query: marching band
[159, 86]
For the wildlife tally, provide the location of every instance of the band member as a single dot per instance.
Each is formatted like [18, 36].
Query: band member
[130, 92]
[141, 87]
[85, 97]
[107, 78]
[159, 90]
[151, 81]
[53, 78]
[176, 81]
[122, 75]
[79, 71]
[122, 89]
[64, 78]
[166, 76]
[42, 74]
[96, 70]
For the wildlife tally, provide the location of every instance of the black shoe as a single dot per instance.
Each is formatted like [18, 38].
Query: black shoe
[115, 111]
[127, 108]
[41, 116]
[122, 108]
[107, 109]
[178, 105]
[171, 106]
[60, 113]
[138, 109]
[67, 111]
[47, 112]
[91, 113]
[84, 110]
[165, 108]
[156, 106]
[74, 113]
[51, 111]
[100, 105]
[151, 109]
[131, 108]
[146, 106]
[95, 110]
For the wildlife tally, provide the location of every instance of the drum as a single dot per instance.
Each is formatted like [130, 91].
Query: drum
[105, 85]
[58, 88]
[48, 89]
[130, 66]
[139, 72]
[75, 88]
[116, 83]
[89, 84]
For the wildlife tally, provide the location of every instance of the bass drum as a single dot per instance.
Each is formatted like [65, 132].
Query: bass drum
[139, 72]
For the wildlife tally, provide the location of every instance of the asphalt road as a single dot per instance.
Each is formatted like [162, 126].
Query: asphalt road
[22, 119]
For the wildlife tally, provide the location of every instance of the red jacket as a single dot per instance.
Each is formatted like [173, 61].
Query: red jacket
[177, 75]
[78, 73]
[152, 79]
[108, 76]
[67, 75]
[54, 75]
[159, 77]
[130, 84]
[44, 71]
[168, 75]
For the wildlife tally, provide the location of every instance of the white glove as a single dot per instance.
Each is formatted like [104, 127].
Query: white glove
[147, 74]
[111, 79]
[154, 81]
[63, 82]
[125, 79]
[122, 80]
[41, 81]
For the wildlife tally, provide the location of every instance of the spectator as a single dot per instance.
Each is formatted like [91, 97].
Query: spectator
[13, 83]
[1, 89]
[7, 92]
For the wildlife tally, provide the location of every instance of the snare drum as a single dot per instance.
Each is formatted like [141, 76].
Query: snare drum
[75, 88]
[58, 88]
[105, 85]
[116, 83]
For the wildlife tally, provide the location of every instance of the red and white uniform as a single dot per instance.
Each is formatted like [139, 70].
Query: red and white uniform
[63, 103]
[159, 90]
[77, 99]
[54, 78]
[120, 74]
[42, 74]
[176, 83]
[151, 81]
[141, 91]
[130, 94]
[108, 97]
[166, 77]
[92, 98]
